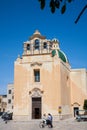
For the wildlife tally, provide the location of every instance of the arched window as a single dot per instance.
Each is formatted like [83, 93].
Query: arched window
[28, 46]
[45, 45]
[36, 44]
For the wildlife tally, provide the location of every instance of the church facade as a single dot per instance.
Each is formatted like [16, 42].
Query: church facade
[44, 81]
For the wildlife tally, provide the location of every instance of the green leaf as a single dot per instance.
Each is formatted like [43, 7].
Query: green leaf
[85, 104]
[52, 3]
[42, 4]
[53, 9]
[57, 4]
[63, 9]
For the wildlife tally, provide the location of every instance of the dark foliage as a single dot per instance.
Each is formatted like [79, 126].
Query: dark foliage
[55, 4]
[60, 4]
[42, 3]
[85, 104]
[63, 9]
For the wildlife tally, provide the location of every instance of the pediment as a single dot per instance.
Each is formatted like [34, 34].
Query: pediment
[36, 92]
[36, 63]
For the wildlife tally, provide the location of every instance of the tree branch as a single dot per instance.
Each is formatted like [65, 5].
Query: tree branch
[81, 13]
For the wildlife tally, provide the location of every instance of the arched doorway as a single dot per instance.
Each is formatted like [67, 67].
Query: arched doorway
[76, 111]
[36, 103]
[75, 108]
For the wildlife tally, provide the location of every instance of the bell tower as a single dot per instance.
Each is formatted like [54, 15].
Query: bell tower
[37, 44]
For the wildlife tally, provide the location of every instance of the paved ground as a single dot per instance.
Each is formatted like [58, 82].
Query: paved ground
[69, 124]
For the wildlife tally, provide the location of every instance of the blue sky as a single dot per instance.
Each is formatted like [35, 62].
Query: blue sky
[20, 18]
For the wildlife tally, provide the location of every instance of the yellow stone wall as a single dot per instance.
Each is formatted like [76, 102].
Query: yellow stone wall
[56, 90]
[59, 86]
[78, 87]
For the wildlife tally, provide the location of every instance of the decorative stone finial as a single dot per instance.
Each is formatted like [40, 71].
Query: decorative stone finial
[37, 32]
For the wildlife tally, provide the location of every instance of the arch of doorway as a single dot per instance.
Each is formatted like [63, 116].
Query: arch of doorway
[36, 103]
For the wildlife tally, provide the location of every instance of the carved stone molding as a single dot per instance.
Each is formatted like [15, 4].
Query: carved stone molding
[36, 63]
[75, 103]
[36, 92]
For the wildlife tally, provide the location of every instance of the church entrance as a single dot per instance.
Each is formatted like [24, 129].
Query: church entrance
[36, 107]
[76, 111]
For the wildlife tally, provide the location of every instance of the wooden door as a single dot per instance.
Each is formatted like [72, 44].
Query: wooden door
[36, 108]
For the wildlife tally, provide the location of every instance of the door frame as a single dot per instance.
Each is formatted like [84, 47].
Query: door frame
[36, 105]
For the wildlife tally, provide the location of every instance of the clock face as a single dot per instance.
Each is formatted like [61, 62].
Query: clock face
[36, 44]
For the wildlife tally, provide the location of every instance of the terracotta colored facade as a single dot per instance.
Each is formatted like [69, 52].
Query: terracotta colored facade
[45, 83]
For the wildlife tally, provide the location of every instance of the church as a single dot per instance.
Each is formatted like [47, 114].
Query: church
[44, 81]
